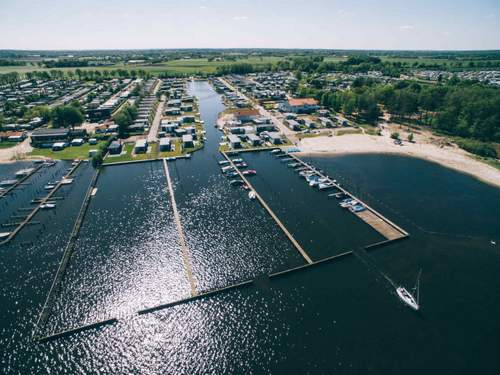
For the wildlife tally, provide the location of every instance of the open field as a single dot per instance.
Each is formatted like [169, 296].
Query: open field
[69, 153]
[188, 66]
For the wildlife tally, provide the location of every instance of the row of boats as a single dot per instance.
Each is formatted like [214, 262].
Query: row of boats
[317, 179]
[230, 170]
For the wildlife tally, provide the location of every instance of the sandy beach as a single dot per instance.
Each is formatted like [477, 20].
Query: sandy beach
[425, 146]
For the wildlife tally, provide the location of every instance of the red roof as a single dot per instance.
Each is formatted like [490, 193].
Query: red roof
[303, 101]
[11, 134]
[246, 112]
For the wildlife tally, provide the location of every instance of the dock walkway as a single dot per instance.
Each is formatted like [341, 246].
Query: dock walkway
[182, 239]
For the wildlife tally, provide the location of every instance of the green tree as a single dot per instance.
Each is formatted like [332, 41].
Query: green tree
[67, 116]
[410, 137]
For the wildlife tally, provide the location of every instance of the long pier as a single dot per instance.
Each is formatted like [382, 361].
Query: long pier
[182, 237]
[63, 264]
[273, 215]
[38, 207]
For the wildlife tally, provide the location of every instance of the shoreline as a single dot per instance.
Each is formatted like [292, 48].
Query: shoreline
[447, 156]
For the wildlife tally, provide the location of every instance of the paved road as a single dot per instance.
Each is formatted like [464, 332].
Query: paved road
[153, 130]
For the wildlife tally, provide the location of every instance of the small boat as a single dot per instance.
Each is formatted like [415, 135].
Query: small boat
[249, 172]
[326, 185]
[227, 168]
[246, 187]
[237, 160]
[49, 187]
[339, 195]
[357, 208]
[224, 162]
[407, 297]
[252, 195]
[236, 182]
[8, 182]
[24, 172]
[66, 181]
[241, 165]
[346, 202]
[47, 206]
[232, 174]
[4, 234]
[276, 151]
[292, 165]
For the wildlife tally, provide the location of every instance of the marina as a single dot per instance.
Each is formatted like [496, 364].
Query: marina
[128, 286]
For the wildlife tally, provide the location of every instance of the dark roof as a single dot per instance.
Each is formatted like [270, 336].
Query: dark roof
[50, 132]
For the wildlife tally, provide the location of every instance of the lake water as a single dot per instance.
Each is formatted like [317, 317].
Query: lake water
[341, 316]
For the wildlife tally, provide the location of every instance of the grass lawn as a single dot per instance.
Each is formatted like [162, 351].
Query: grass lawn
[69, 153]
[312, 135]
[7, 144]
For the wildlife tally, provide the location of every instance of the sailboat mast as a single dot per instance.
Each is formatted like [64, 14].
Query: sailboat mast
[417, 286]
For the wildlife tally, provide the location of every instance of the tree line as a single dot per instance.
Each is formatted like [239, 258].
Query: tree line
[466, 109]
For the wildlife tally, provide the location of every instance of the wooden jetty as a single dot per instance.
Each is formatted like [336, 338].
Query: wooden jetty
[268, 209]
[182, 239]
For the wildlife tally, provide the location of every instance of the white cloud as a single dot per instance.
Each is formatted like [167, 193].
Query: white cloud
[490, 16]
[240, 18]
[407, 27]
[203, 7]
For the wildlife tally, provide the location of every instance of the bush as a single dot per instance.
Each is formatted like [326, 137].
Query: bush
[477, 147]
[395, 135]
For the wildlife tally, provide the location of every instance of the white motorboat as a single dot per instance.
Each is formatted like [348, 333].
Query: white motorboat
[48, 206]
[252, 195]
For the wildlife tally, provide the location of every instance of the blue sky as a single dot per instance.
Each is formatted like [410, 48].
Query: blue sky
[347, 24]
